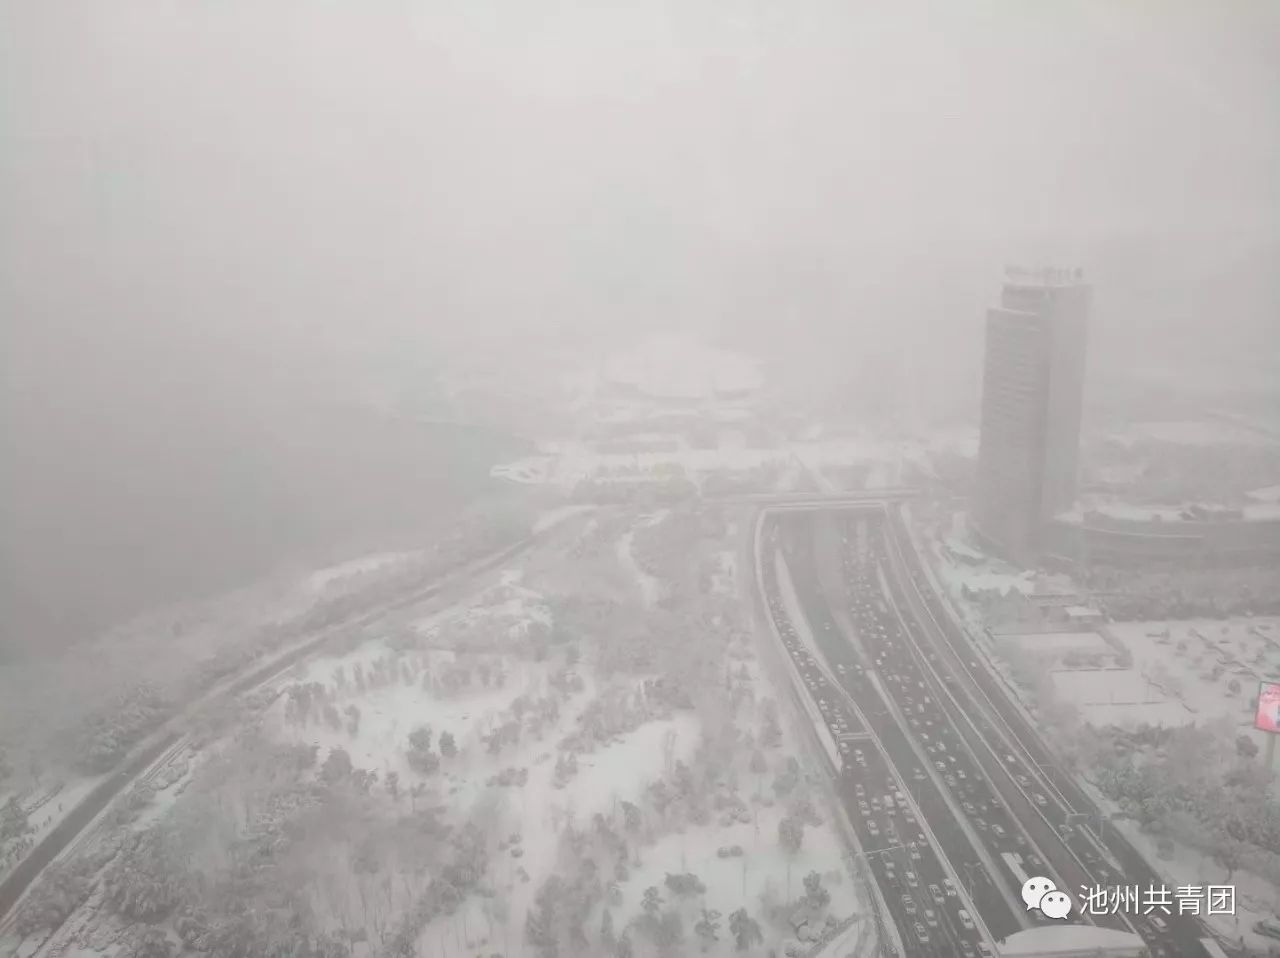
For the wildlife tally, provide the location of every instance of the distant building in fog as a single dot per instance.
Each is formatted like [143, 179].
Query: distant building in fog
[1151, 536]
[1032, 392]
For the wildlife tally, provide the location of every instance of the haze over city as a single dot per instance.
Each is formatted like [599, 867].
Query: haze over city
[638, 479]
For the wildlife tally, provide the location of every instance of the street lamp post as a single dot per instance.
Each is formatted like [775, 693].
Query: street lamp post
[968, 874]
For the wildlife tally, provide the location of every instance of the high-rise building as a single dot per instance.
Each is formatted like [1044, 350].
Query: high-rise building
[1032, 393]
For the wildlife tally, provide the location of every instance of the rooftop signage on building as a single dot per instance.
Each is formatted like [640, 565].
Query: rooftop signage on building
[1267, 717]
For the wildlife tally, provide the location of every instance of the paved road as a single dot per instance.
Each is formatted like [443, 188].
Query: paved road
[1109, 857]
[1011, 828]
[868, 682]
[60, 837]
[923, 900]
[984, 781]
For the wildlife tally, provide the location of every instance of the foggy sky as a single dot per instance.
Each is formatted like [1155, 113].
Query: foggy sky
[208, 210]
[300, 167]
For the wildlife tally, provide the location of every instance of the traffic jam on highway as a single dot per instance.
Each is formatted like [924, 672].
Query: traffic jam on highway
[1087, 844]
[919, 891]
[953, 811]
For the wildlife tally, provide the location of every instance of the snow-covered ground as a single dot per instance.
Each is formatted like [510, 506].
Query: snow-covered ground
[651, 589]
[762, 870]
[616, 772]
[1256, 898]
[476, 667]
[553, 517]
[1192, 432]
[323, 578]
[983, 578]
[1192, 671]
[565, 464]
[1182, 672]
[508, 607]
[1056, 645]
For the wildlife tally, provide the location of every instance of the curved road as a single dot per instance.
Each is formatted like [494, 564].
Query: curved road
[27, 871]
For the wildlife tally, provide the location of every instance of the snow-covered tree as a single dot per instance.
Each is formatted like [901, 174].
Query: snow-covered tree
[708, 928]
[745, 930]
[815, 896]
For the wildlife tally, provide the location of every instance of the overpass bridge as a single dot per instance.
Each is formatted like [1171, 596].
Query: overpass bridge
[814, 501]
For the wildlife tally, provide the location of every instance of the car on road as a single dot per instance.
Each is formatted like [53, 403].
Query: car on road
[967, 950]
[949, 886]
[940, 766]
[872, 827]
[969, 809]
[859, 790]
[912, 880]
[931, 918]
[999, 831]
[862, 807]
[1022, 780]
[965, 920]
[936, 894]
[1040, 800]
[921, 935]
[914, 852]
[908, 904]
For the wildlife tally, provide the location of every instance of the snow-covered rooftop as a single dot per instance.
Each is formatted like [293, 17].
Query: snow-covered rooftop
[1140, 512]
[1080, 611]
[963, 549]
[1066, 940]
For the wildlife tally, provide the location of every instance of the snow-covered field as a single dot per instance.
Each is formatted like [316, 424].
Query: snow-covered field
[1183, 672]
[490, 715]
[388, 714]
[323, 578]
[618, 771]
[651, 588]
[1191, 671]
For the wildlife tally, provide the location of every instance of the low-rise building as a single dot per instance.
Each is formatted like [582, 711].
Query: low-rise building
[1154, 536]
